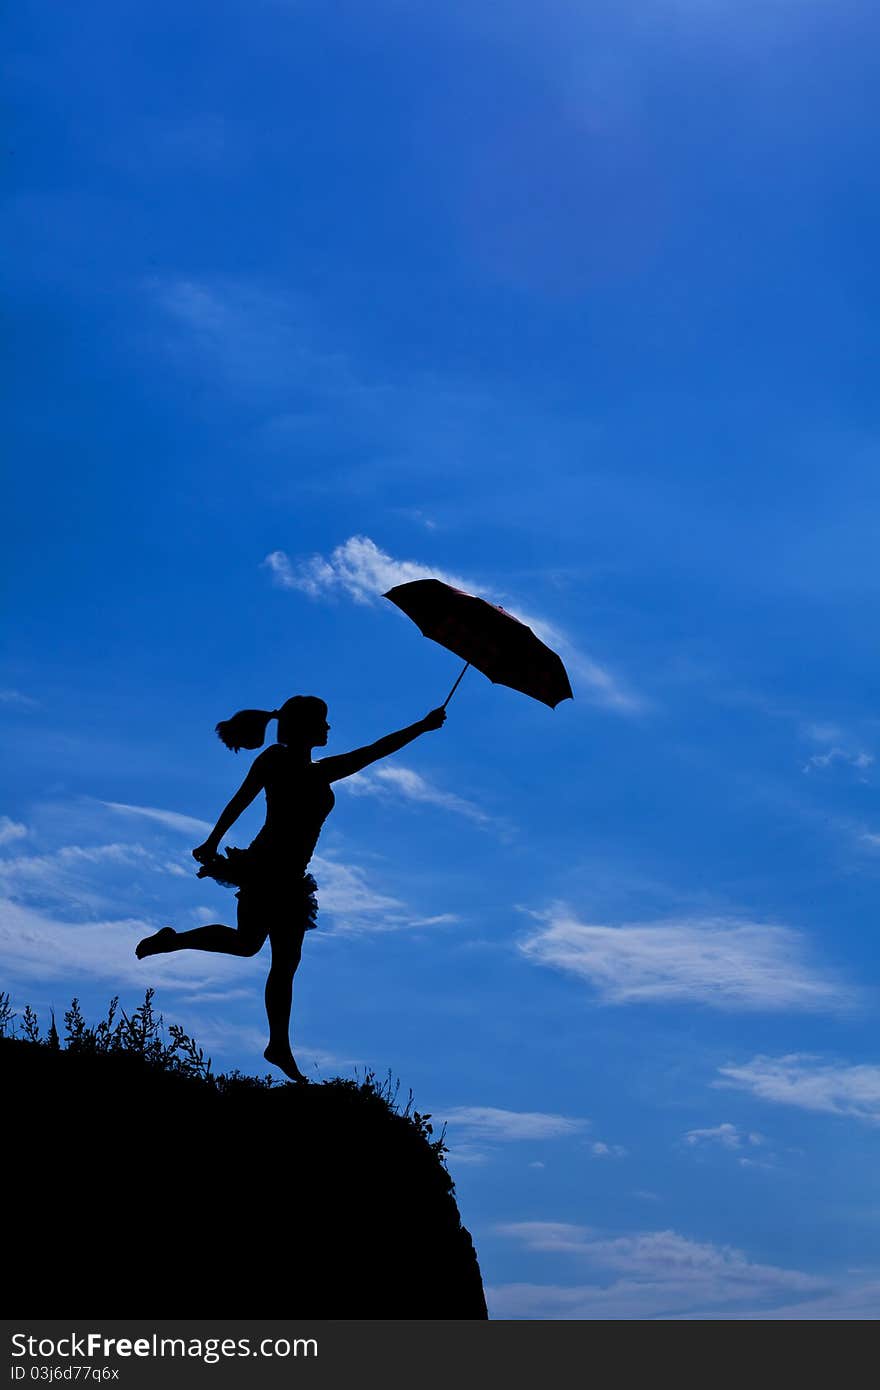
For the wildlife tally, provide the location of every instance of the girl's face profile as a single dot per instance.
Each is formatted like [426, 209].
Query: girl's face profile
[318, 727]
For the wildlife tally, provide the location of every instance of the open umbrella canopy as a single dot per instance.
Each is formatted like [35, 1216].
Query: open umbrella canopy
[485, 636]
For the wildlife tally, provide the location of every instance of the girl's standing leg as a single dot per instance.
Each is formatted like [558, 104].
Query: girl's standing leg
[286, 955]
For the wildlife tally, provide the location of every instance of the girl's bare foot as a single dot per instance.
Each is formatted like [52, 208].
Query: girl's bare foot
[157, 943]
[284, 1059]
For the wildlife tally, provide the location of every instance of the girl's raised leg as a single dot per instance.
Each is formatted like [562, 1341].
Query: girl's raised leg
[244, 940]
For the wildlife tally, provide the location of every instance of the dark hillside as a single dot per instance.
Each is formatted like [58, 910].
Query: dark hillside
[139, 1187]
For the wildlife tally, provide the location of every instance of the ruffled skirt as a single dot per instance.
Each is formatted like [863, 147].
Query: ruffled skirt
[265, 883]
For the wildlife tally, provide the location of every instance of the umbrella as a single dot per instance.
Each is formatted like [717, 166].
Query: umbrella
[486, 636]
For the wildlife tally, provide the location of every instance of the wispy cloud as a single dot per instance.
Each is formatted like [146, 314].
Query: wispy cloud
[17, 697]
[80, 876]
[726, 1135]
[172, 820]
[476, 1130]
[599, 1149]
[719, 962]
[506, 1126]
[346, 894]
[37, 946]
[269, 345]
[860, 759]
[360, 570]
[11, 830]
[857, 1303]
[808, 1082]
[654, 1274]
[402, 781]
[261, 343]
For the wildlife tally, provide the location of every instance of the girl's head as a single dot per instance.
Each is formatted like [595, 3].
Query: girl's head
[302, 720]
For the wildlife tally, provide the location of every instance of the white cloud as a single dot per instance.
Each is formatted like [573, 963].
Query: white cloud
[79, 876]
[36, 946]
[11, 830]
[345, 894]
[439, 919]
[727, 1135]
[807, 1082]
[719, 962]
[360, 570]
[481, 1122]
[658, 1273]
[172, 820]
[344, 891]
[402, 781]
[859, 1303]
[600, 1149]
[356, 568]
[475, 1130]
[859, 759]
[470, 1154]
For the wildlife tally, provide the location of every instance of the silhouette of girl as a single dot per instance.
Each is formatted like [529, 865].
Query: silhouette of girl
[276, 897]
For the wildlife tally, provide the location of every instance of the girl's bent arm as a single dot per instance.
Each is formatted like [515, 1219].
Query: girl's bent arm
[250, 787]
[346, 764]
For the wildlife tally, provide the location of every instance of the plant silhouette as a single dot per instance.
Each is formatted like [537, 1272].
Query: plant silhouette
[141, 1035]
[276, 895]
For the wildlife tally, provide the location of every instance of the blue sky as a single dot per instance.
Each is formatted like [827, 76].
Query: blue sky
[576, 305]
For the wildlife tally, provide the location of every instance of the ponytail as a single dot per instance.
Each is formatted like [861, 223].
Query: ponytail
[247, 729]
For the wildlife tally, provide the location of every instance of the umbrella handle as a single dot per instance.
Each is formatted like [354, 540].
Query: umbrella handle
[455, 687]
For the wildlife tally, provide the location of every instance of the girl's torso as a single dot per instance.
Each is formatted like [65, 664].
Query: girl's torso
[298, 801]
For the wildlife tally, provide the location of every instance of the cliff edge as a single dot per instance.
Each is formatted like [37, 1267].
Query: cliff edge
[138, 1190]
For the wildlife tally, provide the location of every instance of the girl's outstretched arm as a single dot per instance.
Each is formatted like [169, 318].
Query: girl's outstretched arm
[345, 764]
[250, 787]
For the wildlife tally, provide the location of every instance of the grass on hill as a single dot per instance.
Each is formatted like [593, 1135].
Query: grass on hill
[142, 1038]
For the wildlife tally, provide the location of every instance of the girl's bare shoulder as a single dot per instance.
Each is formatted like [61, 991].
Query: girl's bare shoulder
[272, 757]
